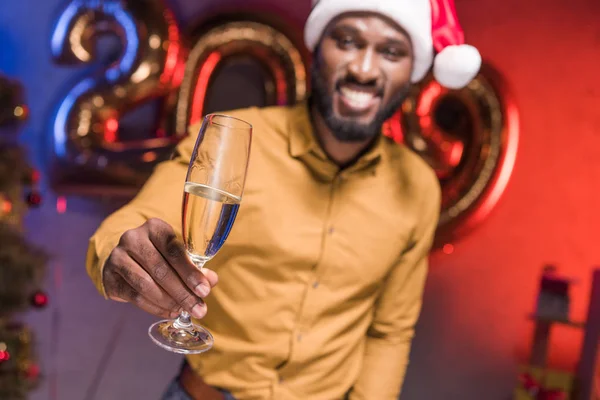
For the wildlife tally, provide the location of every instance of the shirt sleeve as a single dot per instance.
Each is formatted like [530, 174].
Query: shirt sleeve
[396, 312]
[160, 197]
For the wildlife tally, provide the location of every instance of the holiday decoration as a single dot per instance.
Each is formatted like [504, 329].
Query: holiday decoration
[469, 137]
[90, 146]
[544, 384]
[22, 265]
[19, 374]
[285, 83]
[34, 199]
[21, 271]
[39, 300]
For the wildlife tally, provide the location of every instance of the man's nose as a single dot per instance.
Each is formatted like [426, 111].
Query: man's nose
[365, 67]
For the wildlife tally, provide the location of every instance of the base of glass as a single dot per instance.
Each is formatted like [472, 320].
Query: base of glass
[189, 340]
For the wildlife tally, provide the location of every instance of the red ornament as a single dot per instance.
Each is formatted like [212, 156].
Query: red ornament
[4, 356]
[35, 176]
[39, 300]
[31, 177]
[33, 372]
[34, 199]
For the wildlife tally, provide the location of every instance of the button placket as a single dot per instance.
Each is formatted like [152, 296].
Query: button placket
[311, 301]
[306, 311]
[335, 187]
[329, 231]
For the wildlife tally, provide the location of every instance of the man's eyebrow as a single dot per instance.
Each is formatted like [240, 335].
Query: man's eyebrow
[345, 29]
[398, 42]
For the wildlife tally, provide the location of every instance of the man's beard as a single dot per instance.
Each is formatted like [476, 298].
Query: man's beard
[344, 129]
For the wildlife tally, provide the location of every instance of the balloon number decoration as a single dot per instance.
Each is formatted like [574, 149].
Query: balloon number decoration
[286, 82]
[468, 136]
[89, 149]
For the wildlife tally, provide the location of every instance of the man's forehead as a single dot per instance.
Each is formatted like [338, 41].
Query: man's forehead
[365, 21]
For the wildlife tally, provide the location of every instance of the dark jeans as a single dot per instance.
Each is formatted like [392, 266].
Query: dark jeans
[176, 392]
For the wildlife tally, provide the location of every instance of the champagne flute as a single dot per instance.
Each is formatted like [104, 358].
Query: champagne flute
[211, 197]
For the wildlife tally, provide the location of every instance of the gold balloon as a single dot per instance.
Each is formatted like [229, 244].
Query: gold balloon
[90, 150]
[285, 85]
[469, 137]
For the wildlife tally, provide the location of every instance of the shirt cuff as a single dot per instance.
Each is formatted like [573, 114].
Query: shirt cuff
[97, 254]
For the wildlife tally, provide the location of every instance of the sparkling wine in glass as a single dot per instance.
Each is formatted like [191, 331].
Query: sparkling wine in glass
[212, 194]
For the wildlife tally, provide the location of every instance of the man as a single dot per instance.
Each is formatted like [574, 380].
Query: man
[322, 275]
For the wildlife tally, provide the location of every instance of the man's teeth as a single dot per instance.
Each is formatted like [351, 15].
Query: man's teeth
[356, 97]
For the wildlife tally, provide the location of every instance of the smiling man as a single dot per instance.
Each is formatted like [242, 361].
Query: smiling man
[360, 76]
[322, 275]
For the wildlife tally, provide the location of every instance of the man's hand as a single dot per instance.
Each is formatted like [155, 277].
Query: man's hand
[150, 269]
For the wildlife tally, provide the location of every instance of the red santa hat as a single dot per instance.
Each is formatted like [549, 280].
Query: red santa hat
[431, 25]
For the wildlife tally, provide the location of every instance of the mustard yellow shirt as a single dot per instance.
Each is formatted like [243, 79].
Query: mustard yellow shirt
[321, 278]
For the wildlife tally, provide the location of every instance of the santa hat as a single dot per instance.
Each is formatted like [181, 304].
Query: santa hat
[431, 24]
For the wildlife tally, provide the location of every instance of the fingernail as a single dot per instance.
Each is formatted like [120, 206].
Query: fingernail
[202, 290]
[198, 311]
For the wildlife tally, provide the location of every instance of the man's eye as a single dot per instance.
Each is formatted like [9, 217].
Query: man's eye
[345, 42]
[394, 52]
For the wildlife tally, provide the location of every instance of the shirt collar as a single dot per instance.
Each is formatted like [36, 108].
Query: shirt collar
[303, 143]
[302, 139]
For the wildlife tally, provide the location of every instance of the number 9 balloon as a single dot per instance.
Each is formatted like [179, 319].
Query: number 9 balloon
[88, 146]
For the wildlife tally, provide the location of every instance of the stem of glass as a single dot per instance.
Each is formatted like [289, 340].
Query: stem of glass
[184, 321]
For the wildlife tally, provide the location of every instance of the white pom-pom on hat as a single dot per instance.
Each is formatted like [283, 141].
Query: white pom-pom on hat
[456, 65]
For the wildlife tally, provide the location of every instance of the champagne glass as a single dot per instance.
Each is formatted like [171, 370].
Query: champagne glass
[212, 194]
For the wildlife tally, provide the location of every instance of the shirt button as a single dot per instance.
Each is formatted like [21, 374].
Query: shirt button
[315, 284]
[331, 230]
[299, 337]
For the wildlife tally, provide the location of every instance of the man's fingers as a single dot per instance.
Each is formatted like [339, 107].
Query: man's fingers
[150, 268]
[211, 275]
[151, 260]
[141, 282]
[173, 251]
[121, 290]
